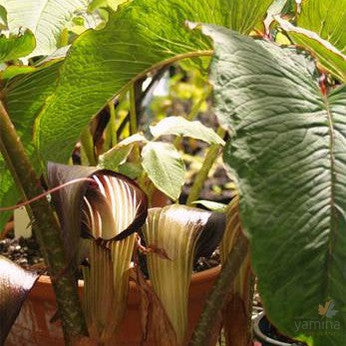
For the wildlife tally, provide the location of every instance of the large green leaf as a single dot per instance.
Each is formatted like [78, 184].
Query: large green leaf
[45, 18]
[328, 56]
[141, 35]
[326, 19]
[288, 155]
[14, 47]
[24, 97]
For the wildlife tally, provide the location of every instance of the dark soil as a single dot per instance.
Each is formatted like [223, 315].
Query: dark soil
[26, 253]
[23, 251]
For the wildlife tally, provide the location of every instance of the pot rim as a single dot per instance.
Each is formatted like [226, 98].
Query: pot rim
[264, 337]
[43, 288]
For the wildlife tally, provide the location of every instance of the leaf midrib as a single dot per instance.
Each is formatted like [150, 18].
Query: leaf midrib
[333, 216]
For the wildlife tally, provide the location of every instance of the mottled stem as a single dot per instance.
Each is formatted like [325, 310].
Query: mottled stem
[48, 231]
[220, 291]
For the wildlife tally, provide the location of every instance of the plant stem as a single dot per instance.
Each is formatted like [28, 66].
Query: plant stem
[112, 133]
[48, 231]
[194, 112]
[202, 175]
[216, 299]
[133, 121]
[88, 146]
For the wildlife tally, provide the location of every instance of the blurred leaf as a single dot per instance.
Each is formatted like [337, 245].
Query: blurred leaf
[329, 57]
[152, 34]
[180, 126]
[15, 47]
[118, 154]
[45, 18]
[175, 229]
[213, 206]
[165, 167]
[3, 18]
[131, 169]
[115, 157]
[287, 155]
[15, 284]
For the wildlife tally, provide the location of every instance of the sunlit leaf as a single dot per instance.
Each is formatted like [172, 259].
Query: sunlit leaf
[14, 47]
[180, 126]
[15, 285]
[327, 19]
[140, 36]
[3, 18]
[165, 167]
[45, 18]
[328, 56]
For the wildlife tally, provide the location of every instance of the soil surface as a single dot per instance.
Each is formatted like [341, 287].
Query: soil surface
[26, 253]
[23, 251]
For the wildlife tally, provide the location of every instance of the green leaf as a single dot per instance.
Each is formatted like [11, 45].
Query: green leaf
[45, 18]
[13, 70]
[246, 14]
[8, 193]
[288, 156]
[118, 154]
[329, 57]
[15, 285]
[15, 47]
[165, 167]
[180, 126]
[140, 36]
[24, 96]
[3, 18]
[326, 19]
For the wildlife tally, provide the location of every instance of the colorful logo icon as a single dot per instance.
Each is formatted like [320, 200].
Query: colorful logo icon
[327, 310]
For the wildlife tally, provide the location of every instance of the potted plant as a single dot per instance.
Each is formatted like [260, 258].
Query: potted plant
[283, 109]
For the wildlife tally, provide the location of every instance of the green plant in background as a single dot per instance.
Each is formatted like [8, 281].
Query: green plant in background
[161, 161]
[282, 107]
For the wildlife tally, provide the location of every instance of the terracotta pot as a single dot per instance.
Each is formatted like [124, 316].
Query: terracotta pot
[33, 327]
